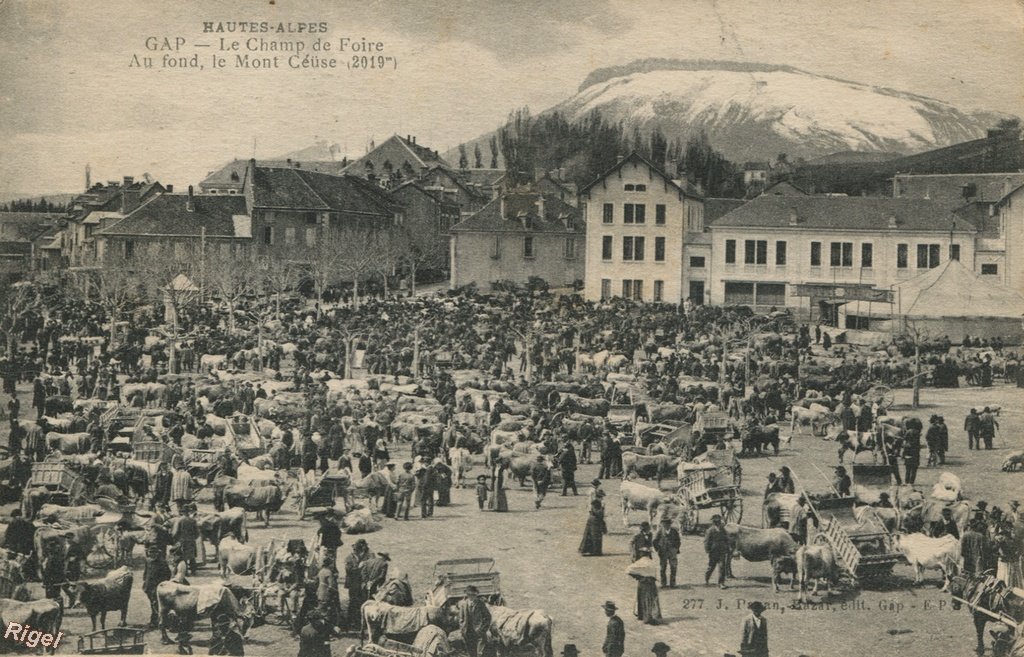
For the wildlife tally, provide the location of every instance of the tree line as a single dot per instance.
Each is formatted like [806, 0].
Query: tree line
[33, 205]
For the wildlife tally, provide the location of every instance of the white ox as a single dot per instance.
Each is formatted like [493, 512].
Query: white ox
[638, 497]
[924, 552]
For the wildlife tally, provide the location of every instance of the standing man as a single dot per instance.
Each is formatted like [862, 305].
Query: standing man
[911, 450]
[615, 633]
[185, 532]
[987, 426]
[755, 632]
[405, 484]
[354, 581]
[426, 485]
[156, 541]
[973, 548]
[972, 425]
[161, 486]
[567, 464]
[642, 542]
[716, 545]
[474, 621]
[181, 487]
[329, 537]
[540, 473]
[666, 543]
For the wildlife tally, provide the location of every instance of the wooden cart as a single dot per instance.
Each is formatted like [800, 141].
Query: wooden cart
[323, 494]
[113, 641]
[863, 547]
[243, 436]
[453, 576]
[52, 482]
[704, 497]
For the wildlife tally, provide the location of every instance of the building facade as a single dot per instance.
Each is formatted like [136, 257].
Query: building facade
[517, 236]
[638, 222]
[807, 252]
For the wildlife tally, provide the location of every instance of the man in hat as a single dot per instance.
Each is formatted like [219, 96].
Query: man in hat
[660, 649]
[883, 501]
[374, 573]
[974, 546]
[185, 532]
[716, 545]
[329, 536]
[567, 463]
[987, 426]
[481, 491]
[405, 484]
[156, 540]
[842, 483]
[642, 542]
[226, 639]
[754, 642]
[666, 543]
[314, 634]
[570, 650]
[945, 525]
[181, 487]
[474, 621]
[354, 581]
[161, 486]
[540, 473]
[327, 597]
[615, 633]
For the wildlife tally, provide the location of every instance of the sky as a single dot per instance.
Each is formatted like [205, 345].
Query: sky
[69, 98]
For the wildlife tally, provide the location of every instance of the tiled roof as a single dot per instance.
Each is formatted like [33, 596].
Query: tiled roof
[435, 194]
[783, 188]
[843, 213]
[949, 189]
[681, 185]
[27, 226]
[299, 189]
[168, 214]
[977, 214]
[223, 176]
[520, 207]
[715, 208]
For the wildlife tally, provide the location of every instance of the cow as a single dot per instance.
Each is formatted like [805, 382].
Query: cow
[373, 487]
[817, 417]
[759, 544]
[44, 615]
[815, 562]
[778, 508]
[209, 362]
[924, 552]
[517, 629]
[520, 466]
[213, 527]
[639, 497]
[260, 499]
[756, 439]
[381, 619]
[68, 443]
[181, 605]
[112, 593]
[1014, 461]
[785, 565]
[236, 558]
[658, 466]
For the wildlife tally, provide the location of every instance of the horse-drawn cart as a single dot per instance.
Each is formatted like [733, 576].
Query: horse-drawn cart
[701, 490]
[51, 482]
[863, 546]
[323, 494]
[244, 437]
[454, 576]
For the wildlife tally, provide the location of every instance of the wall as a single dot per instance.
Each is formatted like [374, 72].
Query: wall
[472, 260]
[797, 269]
[616, 269]
[1012, 219]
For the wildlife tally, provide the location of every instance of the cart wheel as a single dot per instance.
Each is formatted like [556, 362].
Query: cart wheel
[107, 540]
[732, 511]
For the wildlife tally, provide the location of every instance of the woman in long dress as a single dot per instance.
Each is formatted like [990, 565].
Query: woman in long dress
[498, 501]
[593, 533]
[648, 606]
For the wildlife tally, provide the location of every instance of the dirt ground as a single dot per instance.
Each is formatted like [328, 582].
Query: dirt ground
[536, 553]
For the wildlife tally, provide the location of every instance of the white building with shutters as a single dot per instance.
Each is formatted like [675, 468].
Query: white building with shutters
[762, 251]
[639, 222]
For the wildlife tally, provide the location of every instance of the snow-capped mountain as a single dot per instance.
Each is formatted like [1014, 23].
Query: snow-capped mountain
[753, 111]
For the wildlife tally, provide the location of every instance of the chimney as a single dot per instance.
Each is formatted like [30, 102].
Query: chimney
[893, 221]
[414, 140]
[794, 218]
[170, 189]
[128, 180]
[501, 206]
[408, 138]
[190, 204]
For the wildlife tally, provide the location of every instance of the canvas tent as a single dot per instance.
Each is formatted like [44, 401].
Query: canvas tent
[951, 300]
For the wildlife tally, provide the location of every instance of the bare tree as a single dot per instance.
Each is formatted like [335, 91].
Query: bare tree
[169, 280]
[278, 274]
[230, 280]
[16, 300]
[321, 265]
[115, 286]
[417, 247]
[357, 248]
[387, 250]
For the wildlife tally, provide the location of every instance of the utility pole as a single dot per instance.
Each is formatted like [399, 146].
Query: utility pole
[917, 372]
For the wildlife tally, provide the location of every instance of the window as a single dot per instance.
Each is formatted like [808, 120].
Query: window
[496, 247]
[755, 252]
[268, 235]
[528, 246]
[697, 262]
[771, 294]
[990, 270]
[927, 256]
[633, 289]
[179, 250]
[659, 249]
[641, 188]
[866, 255]
[569, 251]
[310, 235]
[129, 249]
[289, 235]
[634, 213]
[635, 188]
[901, 256]
[841, 254]
[606, 288]
[606, 247]
[780, 253]
[310, 218]
[609, 213]
[739, 293]
[730, 252]
[629, 187]
[659, 290]
[815, 254]
[659, 214]
[633, 248]
[954, 252]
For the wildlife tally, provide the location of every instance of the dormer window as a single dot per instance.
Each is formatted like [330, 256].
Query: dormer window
[630, 187]
[234, 176]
